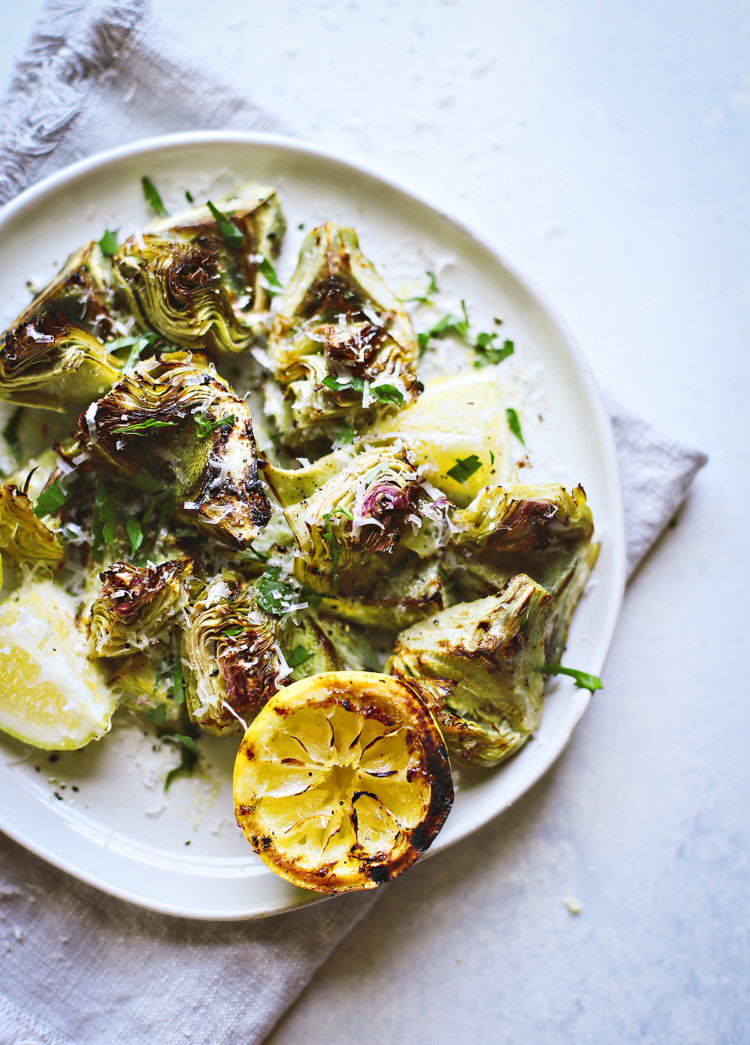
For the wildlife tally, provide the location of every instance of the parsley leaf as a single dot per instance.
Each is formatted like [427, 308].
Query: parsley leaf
[464, 468]
[252, 553]
[298, 656]
[383, 393]
[152, 197]
[157, 714]
[449, 324]
[581, 678]
[233, 632]
[177, 689]
[431, 289]
[487, 352]
[142, 427]
[51, 499]
[344, 436]
[106, 514]
[189, 756]
[205, 428]
[189, 196]
[231, 235]
[135, 533]
[10, 433]
[269, 272]
[146, 482]
[514, 424]
[108, 243]
[274, 595]
[136, 344]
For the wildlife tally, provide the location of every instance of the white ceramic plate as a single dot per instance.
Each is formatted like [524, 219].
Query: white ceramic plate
[101, 814]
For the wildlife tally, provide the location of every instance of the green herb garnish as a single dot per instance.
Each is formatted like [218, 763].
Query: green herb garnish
[134, 532]
[205, 428]
[152, 198]
[146, 482]
[233, 631]
[231, 235]
[269, 272]
[189, 196]
[447, 325]
[177, 688]
[431, 289]
[274, 595]
[108, 243]
[189, 756]
[142, 427]
[464, 468]
[514, 424]
[51, 499]
[157, 714]
[382, 393]
[298, 656]
[581, 678]
[487, 352]
[10, 433]
[136, 344]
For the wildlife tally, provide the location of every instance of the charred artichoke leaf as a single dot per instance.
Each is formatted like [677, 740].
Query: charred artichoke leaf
[175, 417]
[338, 322]
[23, 536]
[411, 590]
[137, 606]
[290, 486]
[231, 656]
[255, 211]
[347, 530]
[54, 355]
[543, 531]
[475, 666]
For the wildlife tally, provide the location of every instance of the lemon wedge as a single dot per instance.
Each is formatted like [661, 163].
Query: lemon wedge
[51, 695]
[458, 431]
[342, 781]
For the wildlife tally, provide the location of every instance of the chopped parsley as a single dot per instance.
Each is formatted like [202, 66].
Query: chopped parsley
[514, 424]
[274, 595]
[253, 553]
[345, 436]
[177, 688]
[298, 656]
[51, 499]
[189, 196]
[108, 243]
[205, 428]
[432, 288]
[464, 468]
[449, 324]
[134, 532]
[136, 344]
[382, 393]
[231, 235]
[233, 631]
[153, 198]
[269, 273]
[142, 427]
[157, 714]
[581, 678]
[487, 353]
[106, 516]
[10, 432]
[146, 482]
[189, 756]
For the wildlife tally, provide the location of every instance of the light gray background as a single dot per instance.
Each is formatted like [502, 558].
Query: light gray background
[605, 148]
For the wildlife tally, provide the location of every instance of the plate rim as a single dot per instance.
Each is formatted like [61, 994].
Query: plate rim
[54, 182]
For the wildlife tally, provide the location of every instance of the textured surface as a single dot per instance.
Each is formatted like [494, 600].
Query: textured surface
[604, 149]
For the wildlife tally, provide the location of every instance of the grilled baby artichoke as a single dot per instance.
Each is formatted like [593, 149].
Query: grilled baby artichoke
[231, 656]
[185, 279]
[475, 666]
[174, 417]
[23, 536]
[342, 345]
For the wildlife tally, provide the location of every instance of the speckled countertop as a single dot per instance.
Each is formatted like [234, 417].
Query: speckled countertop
[603, 148]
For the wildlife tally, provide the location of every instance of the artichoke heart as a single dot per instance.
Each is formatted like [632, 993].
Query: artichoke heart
[346, 531]
[475, 666]
[339, 335]
[23, 536]
[231, 656]
[174, 417]
[136, 606]
[182, 278]
[543, 531]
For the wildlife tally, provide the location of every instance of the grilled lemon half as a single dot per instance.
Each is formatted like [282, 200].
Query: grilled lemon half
[342, 781]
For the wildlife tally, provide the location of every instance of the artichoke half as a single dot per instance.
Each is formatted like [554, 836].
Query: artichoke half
[23, 536]
[348, 529]
[475, 667]
[186, 280]
[174, 417]
[54, 356]
[342, 344]
[137, 606]
[543, 531]
[231, 656]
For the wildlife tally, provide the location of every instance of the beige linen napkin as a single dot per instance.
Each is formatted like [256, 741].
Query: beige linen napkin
[78, 967]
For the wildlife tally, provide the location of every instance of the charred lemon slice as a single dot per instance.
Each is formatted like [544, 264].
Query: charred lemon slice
[342, 781]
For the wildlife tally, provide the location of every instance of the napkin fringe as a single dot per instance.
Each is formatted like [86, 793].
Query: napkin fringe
[48, 90]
